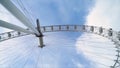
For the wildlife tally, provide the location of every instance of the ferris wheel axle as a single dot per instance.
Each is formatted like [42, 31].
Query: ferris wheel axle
[40, 36]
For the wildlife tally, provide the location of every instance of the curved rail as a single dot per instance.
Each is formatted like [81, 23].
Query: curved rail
[108, 33]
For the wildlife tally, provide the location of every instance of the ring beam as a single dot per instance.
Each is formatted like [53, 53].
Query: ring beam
[107, 33]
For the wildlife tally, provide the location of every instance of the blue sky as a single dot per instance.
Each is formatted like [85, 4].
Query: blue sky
[59, 12]
[53, 12]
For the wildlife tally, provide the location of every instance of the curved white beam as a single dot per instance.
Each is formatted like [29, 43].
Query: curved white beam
[18, 14]
[14, 27]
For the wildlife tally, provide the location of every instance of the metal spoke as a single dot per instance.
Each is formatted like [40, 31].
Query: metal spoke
[14, 27]
[18, 14]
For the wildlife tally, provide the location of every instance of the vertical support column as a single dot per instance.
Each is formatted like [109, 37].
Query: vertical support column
[110, 32]
[118, 36]
[40, 36]
[83, 28]
[100, 30]
[75, 27]
[92, 28]
[41, 42]
[9, 35]
[0, 38]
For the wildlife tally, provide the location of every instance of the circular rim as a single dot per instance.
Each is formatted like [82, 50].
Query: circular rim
[107, 33]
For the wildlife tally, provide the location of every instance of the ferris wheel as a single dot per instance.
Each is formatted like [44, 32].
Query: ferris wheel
[45, 53]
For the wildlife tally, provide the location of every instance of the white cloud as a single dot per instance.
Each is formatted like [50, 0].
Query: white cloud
[106, 13]
[100, 51]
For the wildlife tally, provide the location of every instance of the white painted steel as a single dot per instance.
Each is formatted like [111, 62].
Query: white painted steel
[14, 27]
[18, 14]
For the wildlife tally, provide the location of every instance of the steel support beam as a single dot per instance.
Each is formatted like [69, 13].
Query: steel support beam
[18, 14]
[41, 35]
[14, 27]
[41, 42]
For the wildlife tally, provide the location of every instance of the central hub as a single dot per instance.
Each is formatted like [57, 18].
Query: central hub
[40, 40]
[40, 36]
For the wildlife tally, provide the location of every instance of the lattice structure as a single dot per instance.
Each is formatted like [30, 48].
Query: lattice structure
[108, 33]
